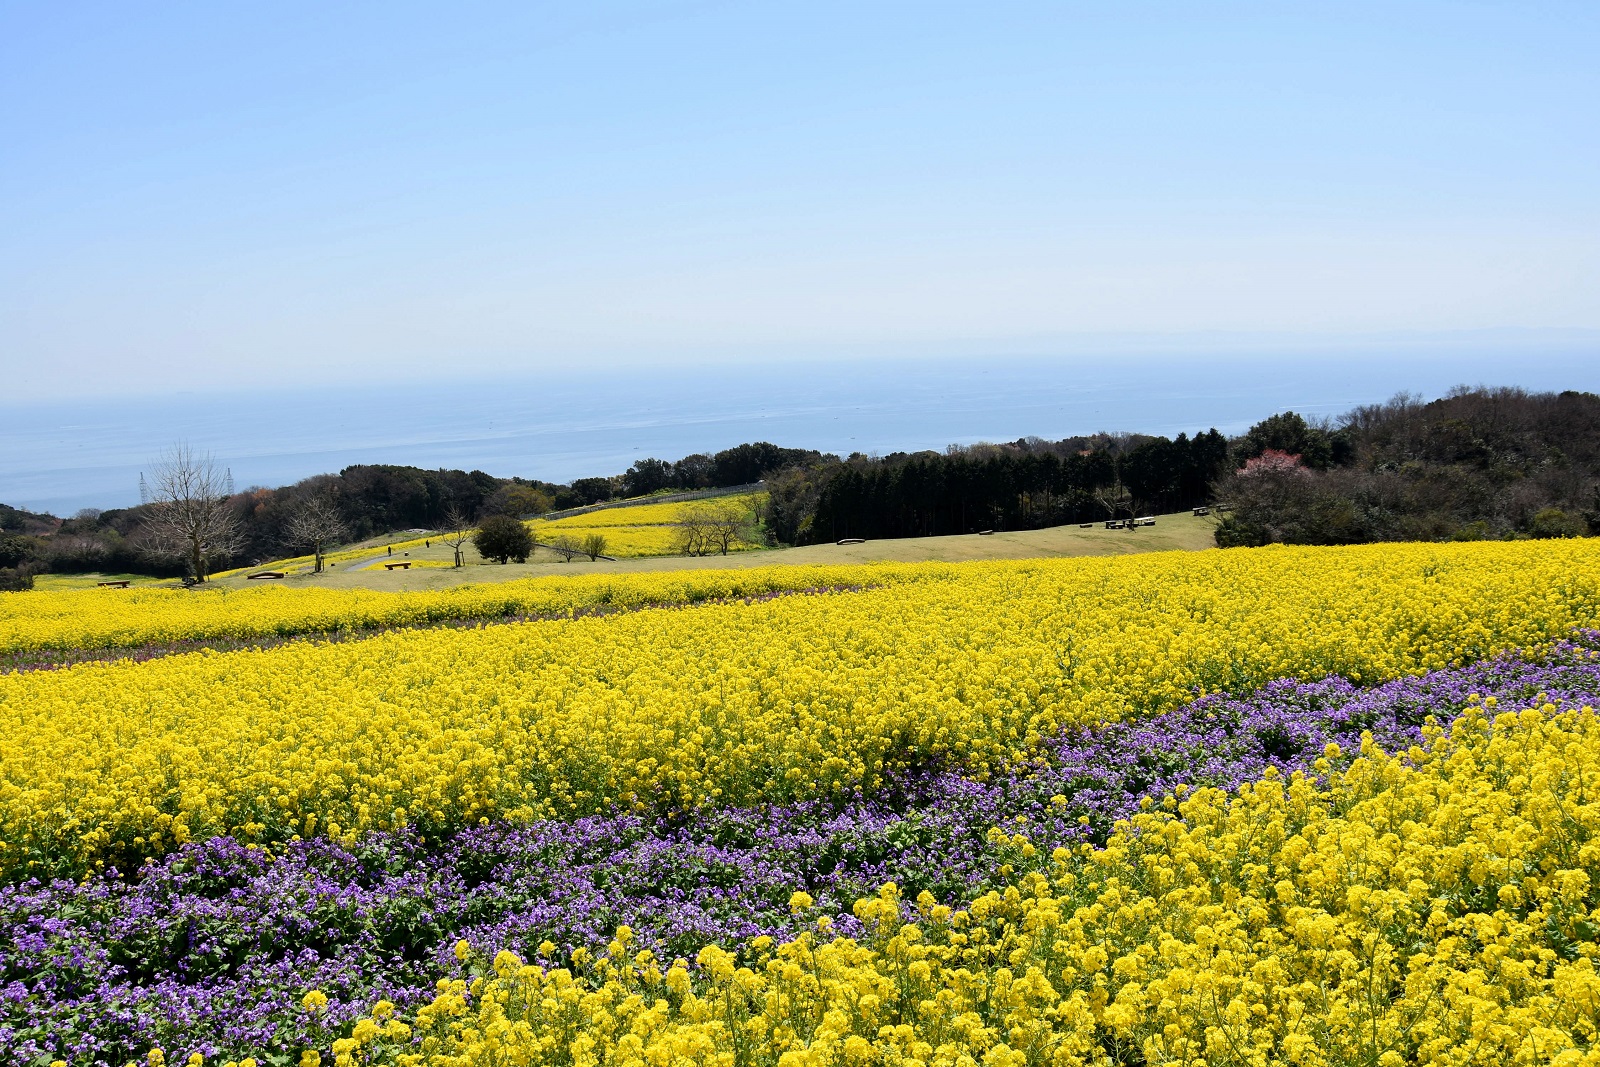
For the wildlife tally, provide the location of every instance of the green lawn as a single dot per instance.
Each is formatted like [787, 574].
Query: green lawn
[1172, 532]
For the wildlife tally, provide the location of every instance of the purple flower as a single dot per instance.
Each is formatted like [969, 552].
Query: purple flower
[212, 948]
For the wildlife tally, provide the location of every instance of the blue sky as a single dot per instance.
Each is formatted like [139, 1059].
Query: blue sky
[216, 195]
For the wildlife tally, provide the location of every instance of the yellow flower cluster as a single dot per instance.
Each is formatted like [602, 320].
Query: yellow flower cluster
[725, 703]
[656, 514]
[1435, 908]
[646, 529]
[97, 618]
[632, 531]
[622, 542]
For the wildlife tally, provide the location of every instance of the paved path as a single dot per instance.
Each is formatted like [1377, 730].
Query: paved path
[370, 564]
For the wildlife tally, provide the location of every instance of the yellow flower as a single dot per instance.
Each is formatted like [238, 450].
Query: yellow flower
[1259, 928]
[729, 703]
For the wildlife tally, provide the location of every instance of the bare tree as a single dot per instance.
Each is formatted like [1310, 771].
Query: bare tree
[694, 534]
[728, 524]
[567, 548]
[315, 525]
[713, 527]
[1115, 498]
[188, 510]
[457, 532]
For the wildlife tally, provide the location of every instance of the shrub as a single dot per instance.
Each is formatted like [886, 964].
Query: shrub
[1553, 522]
[1276, 500]
[16, 579]
[1233, 533]
[503, 539]
[1472, 531]
[15, 551]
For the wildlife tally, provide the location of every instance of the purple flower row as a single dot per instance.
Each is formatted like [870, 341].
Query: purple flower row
[212, 949]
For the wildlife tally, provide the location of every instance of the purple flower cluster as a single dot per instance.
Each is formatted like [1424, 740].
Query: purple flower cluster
[212, 949]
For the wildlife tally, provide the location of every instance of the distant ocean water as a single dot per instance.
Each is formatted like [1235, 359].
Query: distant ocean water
[62, 457]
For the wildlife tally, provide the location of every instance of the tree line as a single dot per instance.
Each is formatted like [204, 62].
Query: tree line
[1477, 463]
[195, 523]
[163, 539]
[741, 465]
[1472, 465]
[1027, 484]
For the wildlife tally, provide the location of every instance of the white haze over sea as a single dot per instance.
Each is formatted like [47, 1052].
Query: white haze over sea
[63, 456]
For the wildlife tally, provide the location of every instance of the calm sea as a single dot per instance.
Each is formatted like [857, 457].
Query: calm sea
[62, 457]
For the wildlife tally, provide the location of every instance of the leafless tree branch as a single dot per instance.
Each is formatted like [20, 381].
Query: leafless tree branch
[189, 514]
[316, 524]
[457, 532]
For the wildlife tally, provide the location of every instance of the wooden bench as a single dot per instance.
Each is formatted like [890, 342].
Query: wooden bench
[265, 575]
[404, 565]
[120, 583]
[985, 533]
[851, 541]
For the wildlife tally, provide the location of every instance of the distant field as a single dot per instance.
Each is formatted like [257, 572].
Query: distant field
[644, 529]
[632, 530]
[647, 513]
[1171, 532]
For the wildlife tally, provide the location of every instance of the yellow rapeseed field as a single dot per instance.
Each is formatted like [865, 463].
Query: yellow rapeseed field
[622, 542]
[631, 531]
[129, 618]
[723, 703]
[646, 529]
[1426, 910]
[655, 514]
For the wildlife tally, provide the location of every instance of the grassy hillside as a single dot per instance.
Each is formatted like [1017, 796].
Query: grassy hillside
[431, 568]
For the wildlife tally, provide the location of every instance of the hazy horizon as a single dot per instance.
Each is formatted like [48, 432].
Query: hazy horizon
[545, 240]
[65, 456]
